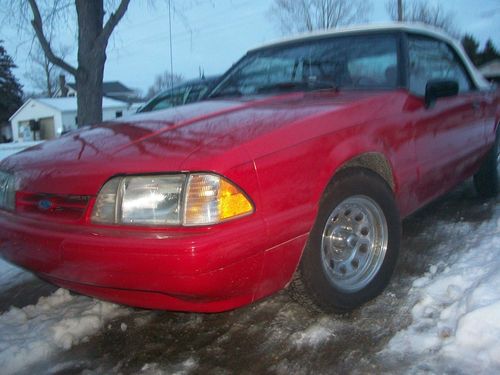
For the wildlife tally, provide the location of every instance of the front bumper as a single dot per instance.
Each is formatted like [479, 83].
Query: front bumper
[186, 269]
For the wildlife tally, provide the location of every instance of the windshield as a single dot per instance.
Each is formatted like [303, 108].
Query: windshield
[183, 94]
[353, 62]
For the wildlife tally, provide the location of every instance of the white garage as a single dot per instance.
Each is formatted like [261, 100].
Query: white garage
[47, 118]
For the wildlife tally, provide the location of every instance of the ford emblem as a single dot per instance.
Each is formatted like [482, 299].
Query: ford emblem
[44, 204]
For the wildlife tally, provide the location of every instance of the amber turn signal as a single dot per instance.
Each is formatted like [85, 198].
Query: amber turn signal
[211, 199]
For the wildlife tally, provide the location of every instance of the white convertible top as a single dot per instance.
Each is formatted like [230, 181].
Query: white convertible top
[416, 28]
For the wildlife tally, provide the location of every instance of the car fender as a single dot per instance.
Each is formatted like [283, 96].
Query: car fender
[356, 151]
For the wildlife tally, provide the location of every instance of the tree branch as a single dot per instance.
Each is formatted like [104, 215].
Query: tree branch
[112, 22]
[38, 27]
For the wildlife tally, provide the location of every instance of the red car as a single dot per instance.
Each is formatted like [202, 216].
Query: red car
[296, 170]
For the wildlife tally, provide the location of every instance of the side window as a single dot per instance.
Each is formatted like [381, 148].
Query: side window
[432, 59]
[169, 99]
[375, 69]
[196, 93]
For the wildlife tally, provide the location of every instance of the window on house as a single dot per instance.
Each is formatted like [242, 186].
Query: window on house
[118, 114]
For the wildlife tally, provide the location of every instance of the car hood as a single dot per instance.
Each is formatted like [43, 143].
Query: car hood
[80, 162]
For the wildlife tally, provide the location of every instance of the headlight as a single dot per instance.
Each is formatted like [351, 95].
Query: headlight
[142, 200]
[194, 199]
[7, 191]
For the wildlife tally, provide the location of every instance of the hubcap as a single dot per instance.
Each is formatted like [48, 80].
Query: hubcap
[354, 243]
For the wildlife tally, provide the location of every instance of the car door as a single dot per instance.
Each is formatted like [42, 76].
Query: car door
[450, 133]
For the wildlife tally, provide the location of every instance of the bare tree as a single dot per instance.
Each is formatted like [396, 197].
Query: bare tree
[44, 75]
[308, 15]
[94, 32]
[162, 82]
[400, 10]
[422, 11]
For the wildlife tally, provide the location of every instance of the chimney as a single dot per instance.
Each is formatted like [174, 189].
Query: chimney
[62, 85]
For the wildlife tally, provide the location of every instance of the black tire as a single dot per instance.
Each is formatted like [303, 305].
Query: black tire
[486, 180]
[318, 287]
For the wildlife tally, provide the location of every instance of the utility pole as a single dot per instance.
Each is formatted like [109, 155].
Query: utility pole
[171, 56]
[400, 10]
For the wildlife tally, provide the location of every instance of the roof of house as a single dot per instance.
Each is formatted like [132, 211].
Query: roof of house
[109, 87]
[69, 104]
[491, 69]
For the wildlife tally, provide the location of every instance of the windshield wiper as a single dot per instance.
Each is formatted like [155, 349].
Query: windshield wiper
[323, 85]
[298, 85]
[226, 94]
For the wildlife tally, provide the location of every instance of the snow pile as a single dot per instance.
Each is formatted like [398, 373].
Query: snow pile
[55, 323]
[316, 334]
[182, 368]
[456, 321]
[7, 149]
[11, 275]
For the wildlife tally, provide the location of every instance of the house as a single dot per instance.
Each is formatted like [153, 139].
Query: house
[47, 118]
[113, 90]
[491, 70]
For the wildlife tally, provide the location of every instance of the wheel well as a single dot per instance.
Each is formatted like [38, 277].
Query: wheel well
[375, 162]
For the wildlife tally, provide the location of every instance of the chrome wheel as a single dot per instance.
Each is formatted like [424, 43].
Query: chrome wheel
[354, 243]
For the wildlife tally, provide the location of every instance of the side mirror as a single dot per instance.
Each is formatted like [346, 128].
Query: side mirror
[439, 88]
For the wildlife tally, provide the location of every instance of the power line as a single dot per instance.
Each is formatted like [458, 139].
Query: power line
[197, 20]
[199, 23]
[217, 26]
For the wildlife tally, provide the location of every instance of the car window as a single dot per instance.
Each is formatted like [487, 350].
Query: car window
[188, 92]
[196, 93]
[431, 59]
[375, 69]
[266, 71]
[344, 62]
[166, 100]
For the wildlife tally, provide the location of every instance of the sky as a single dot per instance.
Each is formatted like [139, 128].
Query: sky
[210, 35]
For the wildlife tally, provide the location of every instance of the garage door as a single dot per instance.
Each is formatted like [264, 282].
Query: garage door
[47, 130]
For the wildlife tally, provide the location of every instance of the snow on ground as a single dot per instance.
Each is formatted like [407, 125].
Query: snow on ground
[7, 149]
[11, 275]
[182, 368]
[55, 323]
[316, 334]
[456, 320]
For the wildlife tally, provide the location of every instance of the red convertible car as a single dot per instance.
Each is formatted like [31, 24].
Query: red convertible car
[296, 170]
